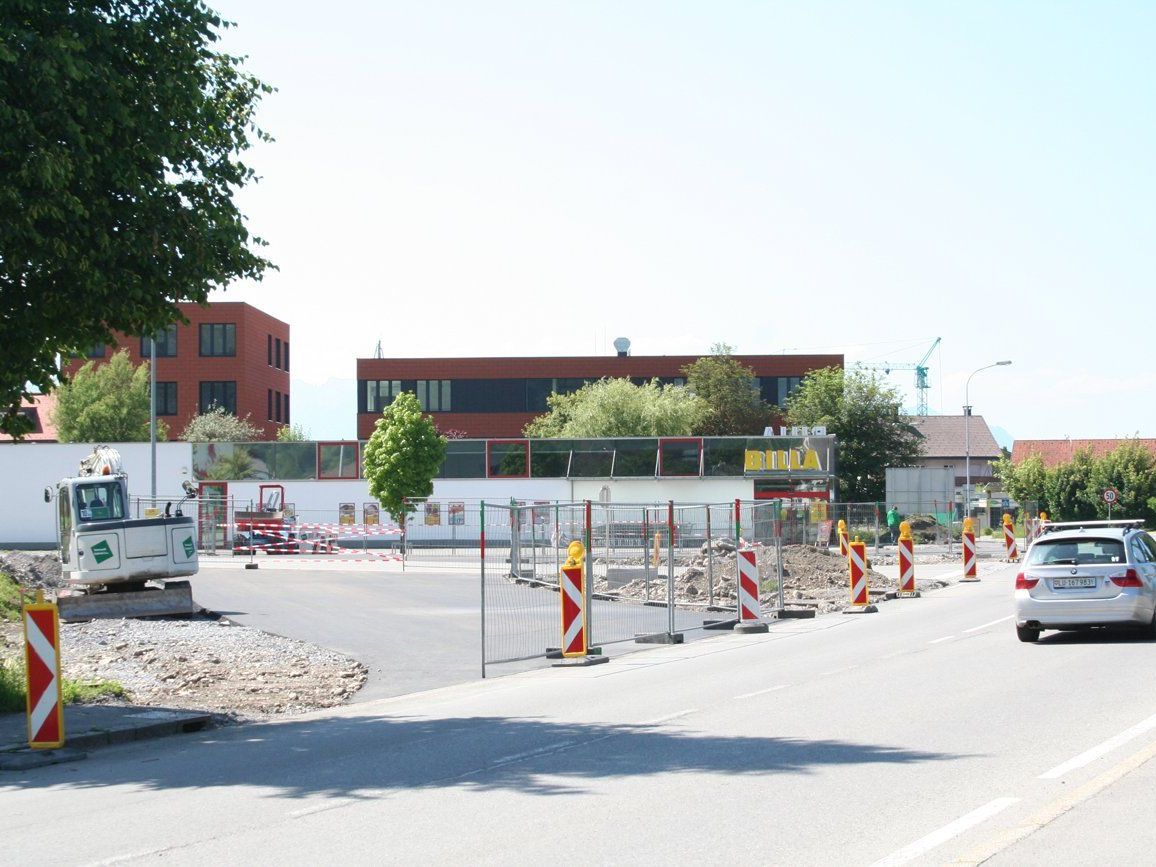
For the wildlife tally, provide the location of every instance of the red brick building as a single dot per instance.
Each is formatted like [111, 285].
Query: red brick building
[496, 397]
[230, 354]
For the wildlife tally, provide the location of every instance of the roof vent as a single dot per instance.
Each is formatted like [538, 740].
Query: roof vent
[622, 346]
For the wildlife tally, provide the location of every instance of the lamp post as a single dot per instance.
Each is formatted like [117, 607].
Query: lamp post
[967, 436]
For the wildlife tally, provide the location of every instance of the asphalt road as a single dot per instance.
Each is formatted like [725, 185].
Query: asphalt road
[923, 734]
[414, 630]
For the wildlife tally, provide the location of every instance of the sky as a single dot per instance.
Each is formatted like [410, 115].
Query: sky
[538, 178]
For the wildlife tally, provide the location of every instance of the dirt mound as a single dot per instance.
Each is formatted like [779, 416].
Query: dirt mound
[33, 569]
[810, 575]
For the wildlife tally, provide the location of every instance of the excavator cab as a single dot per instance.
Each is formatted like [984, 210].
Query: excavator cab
[101, 500]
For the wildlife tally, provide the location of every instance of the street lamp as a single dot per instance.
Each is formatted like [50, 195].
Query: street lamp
[967, 436]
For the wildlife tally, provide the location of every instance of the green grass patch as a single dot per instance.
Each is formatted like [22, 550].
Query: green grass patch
[9, 597]
[13, 683]
[78, 692]
[13, 688]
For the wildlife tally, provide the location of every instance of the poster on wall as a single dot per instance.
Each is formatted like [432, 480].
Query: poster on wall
[541, 512]
[347, 513]
[433, 514]
[457, 514]
[372, 513]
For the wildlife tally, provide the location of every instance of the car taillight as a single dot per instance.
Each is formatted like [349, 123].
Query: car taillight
[1023, 582]
[1131, 578]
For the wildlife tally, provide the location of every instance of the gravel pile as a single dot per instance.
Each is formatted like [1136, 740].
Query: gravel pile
[812, 577]
[196, 663]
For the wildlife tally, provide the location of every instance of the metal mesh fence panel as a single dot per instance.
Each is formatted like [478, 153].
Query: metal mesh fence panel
[863, 521]
[633, 554]
[448, 534]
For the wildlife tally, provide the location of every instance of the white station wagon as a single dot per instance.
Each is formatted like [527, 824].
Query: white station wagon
[1085, 574]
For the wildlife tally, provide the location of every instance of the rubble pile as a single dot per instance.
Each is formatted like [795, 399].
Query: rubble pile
[812, 577]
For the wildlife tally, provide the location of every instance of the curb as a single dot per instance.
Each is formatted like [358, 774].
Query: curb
[143, 725]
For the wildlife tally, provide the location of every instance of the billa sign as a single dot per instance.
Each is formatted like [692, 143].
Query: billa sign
[789, 455]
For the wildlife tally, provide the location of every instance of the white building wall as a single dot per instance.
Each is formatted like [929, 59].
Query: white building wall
[28, 468]
[659, 491]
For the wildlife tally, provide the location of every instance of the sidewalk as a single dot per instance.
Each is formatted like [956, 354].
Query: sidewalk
[90, 726]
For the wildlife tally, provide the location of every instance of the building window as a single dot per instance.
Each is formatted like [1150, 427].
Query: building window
[222, 394]
[269, 349]
[337, 460]
[269, 404]
[680, 457]
[508, 459]
[166, 344]
[285, 414]
[96, 351]
[277, 352]
[376, 394]
[219, 338]
[433, 395]
[166, 396]
[285, 358]
[277, 405]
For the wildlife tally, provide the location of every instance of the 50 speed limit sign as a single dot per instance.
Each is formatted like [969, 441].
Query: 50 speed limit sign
[1111, 496]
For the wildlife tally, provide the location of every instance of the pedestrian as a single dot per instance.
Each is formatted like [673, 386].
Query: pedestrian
[893, 524]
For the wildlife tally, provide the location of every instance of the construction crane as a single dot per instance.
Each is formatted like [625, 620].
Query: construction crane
[920, 368]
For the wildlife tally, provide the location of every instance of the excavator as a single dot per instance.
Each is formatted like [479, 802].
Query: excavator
[112, 562]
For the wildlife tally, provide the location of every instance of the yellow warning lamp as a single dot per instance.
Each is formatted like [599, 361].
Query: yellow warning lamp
[575, 555]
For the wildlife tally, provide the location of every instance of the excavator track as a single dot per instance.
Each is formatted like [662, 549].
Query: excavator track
[174, 599]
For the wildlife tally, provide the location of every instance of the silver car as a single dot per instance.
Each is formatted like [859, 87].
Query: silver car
[1087, 573]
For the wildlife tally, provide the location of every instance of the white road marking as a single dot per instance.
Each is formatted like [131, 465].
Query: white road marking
[529, 754]
[1057, 808]
[1094, 753]
[940, 640]
[938, 838]
[986, 625]
[321, 808]
[669, 717]
[837, 671]
[761, 691]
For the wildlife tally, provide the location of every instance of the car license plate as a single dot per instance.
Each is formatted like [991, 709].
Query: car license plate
[1069, 583]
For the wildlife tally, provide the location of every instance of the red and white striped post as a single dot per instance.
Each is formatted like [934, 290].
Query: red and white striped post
[1009, 539]
[42, 654]
[572, 591]
[842, 538]
[573, 612]
[969, 565]
[857, 566]
[747, 589]
[906, 562]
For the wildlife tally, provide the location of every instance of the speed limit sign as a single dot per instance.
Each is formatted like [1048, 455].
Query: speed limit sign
[1111, 496]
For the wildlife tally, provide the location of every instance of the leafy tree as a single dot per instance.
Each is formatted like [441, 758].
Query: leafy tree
[219, 426]
[1131, 470]
[619, 408]
[120, 134]
[292, 434]
[863, 413]
[107, 402]
[1068, 488]
[403, 455]
[1024, 481]
[728, 387]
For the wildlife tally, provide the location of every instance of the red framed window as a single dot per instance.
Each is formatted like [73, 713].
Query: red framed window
[680, 456]
[508, 459]
[338, 460]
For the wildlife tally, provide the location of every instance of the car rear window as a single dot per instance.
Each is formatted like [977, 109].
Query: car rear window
[1076, 552]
